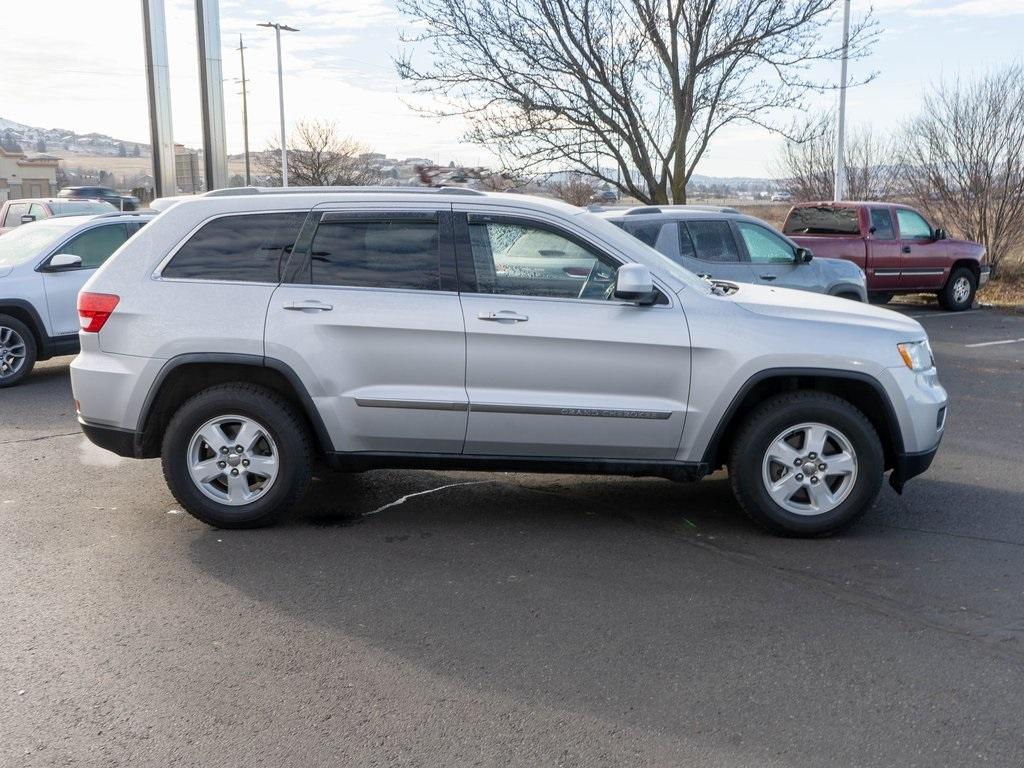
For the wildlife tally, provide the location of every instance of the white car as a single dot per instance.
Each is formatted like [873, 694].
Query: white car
[245, 331]
[42, 267]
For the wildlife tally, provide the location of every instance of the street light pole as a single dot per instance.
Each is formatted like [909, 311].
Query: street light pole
[840, 182]
[245, 112]
[280, 94]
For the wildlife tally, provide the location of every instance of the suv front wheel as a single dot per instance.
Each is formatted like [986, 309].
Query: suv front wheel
[236, 456]
[806, 464]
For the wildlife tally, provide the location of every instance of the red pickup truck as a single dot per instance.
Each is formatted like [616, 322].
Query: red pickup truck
[899, 251]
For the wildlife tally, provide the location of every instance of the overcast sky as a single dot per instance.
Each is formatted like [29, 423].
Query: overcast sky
[79, 65]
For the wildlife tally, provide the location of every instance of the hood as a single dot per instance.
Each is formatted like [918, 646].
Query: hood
[820, 308]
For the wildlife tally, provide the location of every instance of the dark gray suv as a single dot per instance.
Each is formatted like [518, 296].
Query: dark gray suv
[724, 244]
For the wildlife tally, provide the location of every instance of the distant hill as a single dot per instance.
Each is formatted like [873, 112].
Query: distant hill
[32, 139]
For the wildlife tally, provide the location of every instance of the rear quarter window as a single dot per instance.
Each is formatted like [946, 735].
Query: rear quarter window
[245, 248]
[823, 220]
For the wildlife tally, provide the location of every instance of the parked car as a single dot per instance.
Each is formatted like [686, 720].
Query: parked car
[723, 244]
[112, 196]
[606, 195]
[14, 213]
[241, 333]
[895, 246]
[42, 267]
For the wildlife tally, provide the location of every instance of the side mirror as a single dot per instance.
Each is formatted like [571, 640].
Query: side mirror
[28, 218]
[64, 262]
[633, 283]
[940, 234]
[803, 256]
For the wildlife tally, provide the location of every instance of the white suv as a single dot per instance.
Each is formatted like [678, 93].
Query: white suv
[243, 332]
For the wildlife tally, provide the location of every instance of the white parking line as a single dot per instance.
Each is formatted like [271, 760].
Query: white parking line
[995, 343]
[946, 315]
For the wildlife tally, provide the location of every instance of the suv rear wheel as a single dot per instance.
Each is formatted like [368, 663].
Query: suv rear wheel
[17, 351]
[236, 456]
[806, 464]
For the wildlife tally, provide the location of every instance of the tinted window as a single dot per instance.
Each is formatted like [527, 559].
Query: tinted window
[764, 246]
[524, 260]
[14, 213]
[713, 241]
[239, 248]
[912, 226]
[823, 220]
[663, 236]
[881, 224]
[382, 253]
[95, 245]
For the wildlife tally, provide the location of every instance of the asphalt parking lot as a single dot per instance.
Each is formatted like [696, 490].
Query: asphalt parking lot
[516, 619]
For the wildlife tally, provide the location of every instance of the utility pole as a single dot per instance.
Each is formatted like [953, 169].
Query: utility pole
[280, 95]
[840, 182]
[245, 111]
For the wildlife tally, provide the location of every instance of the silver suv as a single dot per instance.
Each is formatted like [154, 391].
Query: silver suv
[244, 332]
[42, 267]
[724, 244]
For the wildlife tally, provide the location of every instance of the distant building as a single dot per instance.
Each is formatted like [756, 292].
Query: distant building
[24, 175]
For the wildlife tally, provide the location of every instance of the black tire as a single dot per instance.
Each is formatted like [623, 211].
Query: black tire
[848, 296]
[952, 297]
[772, 418]
[880, 297]
[280, 420]
[30, 351]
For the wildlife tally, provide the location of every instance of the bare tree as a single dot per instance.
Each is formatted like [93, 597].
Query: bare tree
[319, 157]
[575, 189]
[965, 158]
[807, 162]
[630, 92]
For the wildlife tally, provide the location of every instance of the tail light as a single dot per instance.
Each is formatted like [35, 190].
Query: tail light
[94, 309]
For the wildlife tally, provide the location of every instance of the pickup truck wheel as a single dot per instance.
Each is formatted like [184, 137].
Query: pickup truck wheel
[236, 456]
[17, 351]
[958, 293]
[806, 464]
[880, 297]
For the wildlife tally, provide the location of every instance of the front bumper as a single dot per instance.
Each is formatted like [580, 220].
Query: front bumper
[983, 274]
[119, 441]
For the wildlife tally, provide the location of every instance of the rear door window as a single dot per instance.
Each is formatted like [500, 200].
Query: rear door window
[390, 252]
[823, 220]
[713, 241]
[246, 248]
[881, 224]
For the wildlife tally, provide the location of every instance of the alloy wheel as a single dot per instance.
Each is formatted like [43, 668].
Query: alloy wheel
[12, 352]
[233, 460]
[961, 290]
[809, 469]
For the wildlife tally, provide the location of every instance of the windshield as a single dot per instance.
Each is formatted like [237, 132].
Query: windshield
[28, 241]
[660, 261]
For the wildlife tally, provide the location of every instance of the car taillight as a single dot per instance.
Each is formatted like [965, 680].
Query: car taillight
[94, 309]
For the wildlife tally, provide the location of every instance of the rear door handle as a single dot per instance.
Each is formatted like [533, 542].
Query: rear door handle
[505, 316]
[768, 277]
[310, 305]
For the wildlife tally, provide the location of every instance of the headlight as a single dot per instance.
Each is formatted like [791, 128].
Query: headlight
[917, 355]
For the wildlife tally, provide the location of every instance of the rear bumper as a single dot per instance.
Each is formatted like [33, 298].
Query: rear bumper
[983, 274]
[119, 441]
[909, 465]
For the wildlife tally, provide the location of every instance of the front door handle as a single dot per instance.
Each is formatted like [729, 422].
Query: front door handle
[768, 277]
[906, 249]
[310, 305]
[505, 316]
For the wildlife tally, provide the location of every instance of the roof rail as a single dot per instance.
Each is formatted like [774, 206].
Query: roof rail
[144, 212]
[238, 191]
